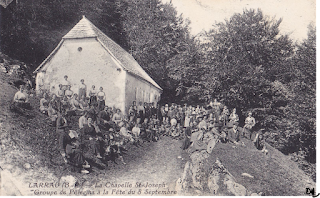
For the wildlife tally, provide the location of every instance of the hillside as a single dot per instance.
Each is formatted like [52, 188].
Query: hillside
[28, 151]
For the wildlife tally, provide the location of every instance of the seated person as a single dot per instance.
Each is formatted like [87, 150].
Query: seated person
[89, 135]
[75, 103]
[60, 92]
[117, 117]
[68, 92]
[83, 120]
[20, 99]
[234, 134]
[44, 104]
[65, 104]
[53, 115]
[136, 130]
[173, 121]
[124, 132]
[104, 119]
[156, 133]
[260, 144]
[197, 142]
[233, 118]
[249, 124]
[74, 154]
[202, 123]
[84, 101]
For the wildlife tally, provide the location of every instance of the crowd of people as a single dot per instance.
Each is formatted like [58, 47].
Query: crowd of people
[103, 133]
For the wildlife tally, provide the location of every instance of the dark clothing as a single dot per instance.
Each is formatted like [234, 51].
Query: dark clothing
[61, 124]
[75, 155]
[188, 131]
[259, 144]
[93, 100]
[186, 143]
[103, 116]
[101, 104]
[64, 139]
[147, 112]
[234, 136]
[87, 133]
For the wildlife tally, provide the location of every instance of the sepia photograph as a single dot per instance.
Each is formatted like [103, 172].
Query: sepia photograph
[158, 98]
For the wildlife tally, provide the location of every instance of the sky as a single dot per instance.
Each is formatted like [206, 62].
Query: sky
[296, 14]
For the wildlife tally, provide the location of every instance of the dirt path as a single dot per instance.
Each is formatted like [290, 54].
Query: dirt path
[155, 163]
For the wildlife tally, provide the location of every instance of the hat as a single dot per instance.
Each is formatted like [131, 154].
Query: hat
[73, 134]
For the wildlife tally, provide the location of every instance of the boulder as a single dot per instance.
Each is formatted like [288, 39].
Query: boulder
[70, 180]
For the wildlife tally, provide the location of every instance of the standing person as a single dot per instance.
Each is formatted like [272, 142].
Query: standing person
[141, 112]
[44, 104]
[82, 89]
[153, 109]
[101, 96]
[234, 118]
[147, 111]
[60, 92]
[187, 120]
[65, 83]
[224, 116]
[166, 110]
[134, 106]
[158, 113]
[133, 111]
[163, 114]
[216, 109]
[93, 95]
[131, 114]
[249, 123]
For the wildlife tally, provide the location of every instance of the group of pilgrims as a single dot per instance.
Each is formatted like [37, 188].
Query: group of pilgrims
[104, 133]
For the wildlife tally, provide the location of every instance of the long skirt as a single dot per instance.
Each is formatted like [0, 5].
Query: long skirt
[93, 100]
[77, 159]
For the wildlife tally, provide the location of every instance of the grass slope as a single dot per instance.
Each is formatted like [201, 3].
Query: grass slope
[274, 174]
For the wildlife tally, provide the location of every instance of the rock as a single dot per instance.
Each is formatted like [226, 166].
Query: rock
[247, 175]
[186, 177]
[27, 166]
[233, 187]
[69, 179]
[178, 186]
[211, 145]
[213, 180]
[254, 194]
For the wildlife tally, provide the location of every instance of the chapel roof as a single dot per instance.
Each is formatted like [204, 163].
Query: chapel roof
[85, 29]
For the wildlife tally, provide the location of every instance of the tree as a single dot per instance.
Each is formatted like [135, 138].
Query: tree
[241, 57]
[156, 36]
